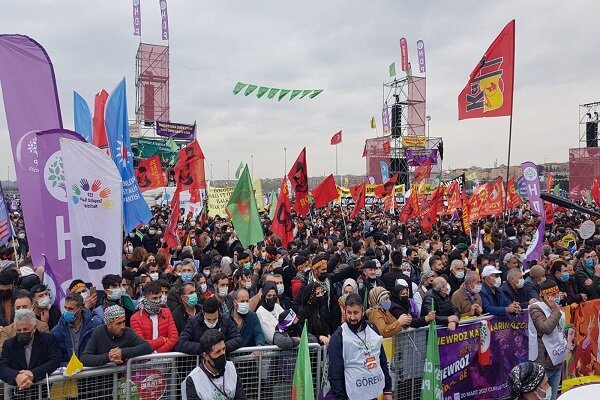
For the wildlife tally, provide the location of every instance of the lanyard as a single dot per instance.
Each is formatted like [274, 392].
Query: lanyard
[222, 389]
[364, 342]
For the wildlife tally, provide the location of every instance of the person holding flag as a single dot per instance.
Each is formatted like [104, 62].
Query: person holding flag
[358, 367]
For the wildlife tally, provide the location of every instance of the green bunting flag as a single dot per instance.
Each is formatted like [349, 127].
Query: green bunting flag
[273, 202]
[250, 89]
[238, 87]
[272, 93]
[305, 92]
[261, 91]
[139, 234]
[432, 373]
[243, 211]
[315, 93]
[283, 93]
[239, 170]
[294, 94]
[172, 145]
[392, 69]
[302, 384]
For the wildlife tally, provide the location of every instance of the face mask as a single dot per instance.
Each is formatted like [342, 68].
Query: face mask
[24, 338]
[131, 234]
[589, 263]
[129, 249]
[115, 294]
[460, 275]
[520, 283]
[179, 227]
[192, 300]
[159, 232]
[322, 277]
[378, 273]
[206, 272]
[344, 297]
[44, 302]
[477, 288]
[21, 236]
[219, 362]
[361, 285]
[497, 282]
[247, 265]
[565, 276]
[557, 300]
[242, 308]
[203, 287]
[547, 394]
[69, 316]
[280, 289]
[85, 295]
[386, 304]
[193, 223]
[154, 276]
[163, 300]
[406, 272]
[247, 285]
[151, 307]
[223, 291]
[210, 325]
[151, 232]
[187, 277]
[270, 303]
[415, 260]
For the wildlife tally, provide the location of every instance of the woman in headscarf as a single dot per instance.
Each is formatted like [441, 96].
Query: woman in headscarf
[268, 311]
[350, 286]
[314, 310]
[379, 313]
[402, 305]
[527, 381]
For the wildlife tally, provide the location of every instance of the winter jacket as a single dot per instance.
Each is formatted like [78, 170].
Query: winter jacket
[568, 288]
[181, 317]
[513, 294]
[532, 289]
[141, 323]
[251, 332]
[544, 326]
[443, 307]
[189, 340]
[61, 332]
[386, 324]
[463, 303]
[581, 275]
[102, 341]
[494, 302]
[389, 280]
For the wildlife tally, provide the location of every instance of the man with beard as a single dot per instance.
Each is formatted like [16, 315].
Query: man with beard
[358, 366]
[113, 342]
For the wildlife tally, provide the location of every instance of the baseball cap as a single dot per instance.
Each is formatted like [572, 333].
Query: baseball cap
[490, 270]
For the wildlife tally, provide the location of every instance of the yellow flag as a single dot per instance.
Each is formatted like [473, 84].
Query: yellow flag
[373, 126]
[74, 366]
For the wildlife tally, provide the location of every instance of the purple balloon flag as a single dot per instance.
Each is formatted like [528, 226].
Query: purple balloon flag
[532, 186]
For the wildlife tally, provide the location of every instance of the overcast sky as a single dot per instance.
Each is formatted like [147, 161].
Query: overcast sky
[343, 47]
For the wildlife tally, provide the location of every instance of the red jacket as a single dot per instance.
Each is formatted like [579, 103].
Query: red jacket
[167, 331]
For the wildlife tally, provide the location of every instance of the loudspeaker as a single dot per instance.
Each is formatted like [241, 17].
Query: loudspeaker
[591, 134]
[400, 166]
[396, 120]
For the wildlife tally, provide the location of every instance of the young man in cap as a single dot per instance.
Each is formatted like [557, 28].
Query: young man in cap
[527, 381]
[493, 299]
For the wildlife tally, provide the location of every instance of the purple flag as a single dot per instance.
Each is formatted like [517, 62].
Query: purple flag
[31, 104]
[385, 120]
[421, 55]
[165, 19]
[532, 185]
[416, 158]
[137, 18]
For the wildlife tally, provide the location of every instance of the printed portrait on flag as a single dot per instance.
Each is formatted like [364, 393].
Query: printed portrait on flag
[149, 174]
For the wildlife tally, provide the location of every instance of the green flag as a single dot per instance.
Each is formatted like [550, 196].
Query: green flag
[588, 197]
[432, 375]
[139, 234]
[305, 92]
[272, 93]
[243, 211]
[273, 201]
[172, 145]
[315, 93]
[261, 91]
[392, 69]
[294, 94]
[250, 89]
[556, 190]
[238, 87]
[238, 171]
[283, 93]
[302, 384]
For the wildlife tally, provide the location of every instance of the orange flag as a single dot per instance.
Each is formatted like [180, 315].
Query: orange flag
[495, 198]
[423, 171]
[514, 200]
[454, 198]
[411, 207]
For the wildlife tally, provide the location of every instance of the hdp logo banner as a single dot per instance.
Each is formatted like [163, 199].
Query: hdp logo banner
[95, 210]
[135, 210]
[489, 92]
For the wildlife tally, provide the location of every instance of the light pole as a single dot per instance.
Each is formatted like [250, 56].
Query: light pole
[428, 118]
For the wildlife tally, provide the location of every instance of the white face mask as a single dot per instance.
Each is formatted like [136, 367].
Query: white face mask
[280, 289]
[85, 295]
[115, 294]
[154, 276]
[460, 274]
[477, 288]
[242, 308]
[378, 273]
[248, 285]
[210, 325]
[21, 236]
[206, 272]
[222, 291]
[203, 287]
[498, 282]
[548, 394]
[163, 299]
[520, 283]
[44, 302]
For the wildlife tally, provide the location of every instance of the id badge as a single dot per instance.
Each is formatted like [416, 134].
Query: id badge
[371, 362]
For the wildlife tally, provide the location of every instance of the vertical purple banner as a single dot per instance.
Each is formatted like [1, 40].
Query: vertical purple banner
[137, 18]
[463, 376]
[532, 186]
[165, 19]
[385, 120]
[31, 104]
[421, 55]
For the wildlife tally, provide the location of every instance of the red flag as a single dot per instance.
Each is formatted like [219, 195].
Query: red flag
[325, 192]
[454, 197]
[485, 353]
[149, 174]
[99, 136]
[411, 207]
[189, 170]
[389, 203]
[387, 147]
[364, 151]
[282, 224]
[423, 171]
[596, 191]
[575, 193]
[549, 212]
[489, 92]
[298, 176]
[336, 138]
[495, 198]
[170, 235]
[477, 202]
[360, 200]
[384, 190]
[436, 201]
[514, 200]
[549, 182]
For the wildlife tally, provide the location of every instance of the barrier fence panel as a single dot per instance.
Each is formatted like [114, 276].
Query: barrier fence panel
[406, 365]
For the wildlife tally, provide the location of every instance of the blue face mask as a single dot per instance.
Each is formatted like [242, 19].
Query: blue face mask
[565, 276]
[69, 316]
[247, 265]
[187, 277]
[589, 263]
[386, 304]
[557, 300]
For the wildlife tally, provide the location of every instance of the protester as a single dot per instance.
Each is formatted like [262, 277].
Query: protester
[78, 286]
[466, 298]
[492, 298]
[438, 300]
[268, 311]
[587, 274]
[426, 284]
[513, 289]
[43, 308]
[214, 377]
[559, 271]
[113, 342]
[246, 321]
[537, 275]
[379, 314]
[188, 306]
[527, 381]
[456, 276]
[314, 310]
[114, 294]
[356, 373]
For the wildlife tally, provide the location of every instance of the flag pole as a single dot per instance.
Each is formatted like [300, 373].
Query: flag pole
[336, 161]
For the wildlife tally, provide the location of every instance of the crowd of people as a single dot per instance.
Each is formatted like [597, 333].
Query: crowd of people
[351, 282]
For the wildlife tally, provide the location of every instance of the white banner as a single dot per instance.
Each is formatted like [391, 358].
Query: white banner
[94, 192]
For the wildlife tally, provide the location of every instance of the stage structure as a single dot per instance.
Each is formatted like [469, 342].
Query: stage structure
[152, 84]
[584, 161]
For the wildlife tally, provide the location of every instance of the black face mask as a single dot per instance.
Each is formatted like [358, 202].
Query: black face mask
[24, 338]
[5, 293]
[270, 303]
[415, 260]
[219, 362]
[322, 277]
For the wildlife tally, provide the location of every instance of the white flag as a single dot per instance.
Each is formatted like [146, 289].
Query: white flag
[94, 193]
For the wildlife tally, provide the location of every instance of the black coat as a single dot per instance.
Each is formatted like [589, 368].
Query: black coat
[181, 317]
[389, 280]
[45, 358]
[443, 307]
[189, 340]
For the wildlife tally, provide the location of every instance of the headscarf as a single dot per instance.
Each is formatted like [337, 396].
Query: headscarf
[375, 296]
[350, 282]
[268, 286]
[525, 378]
[113, 312]
[400, 294]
